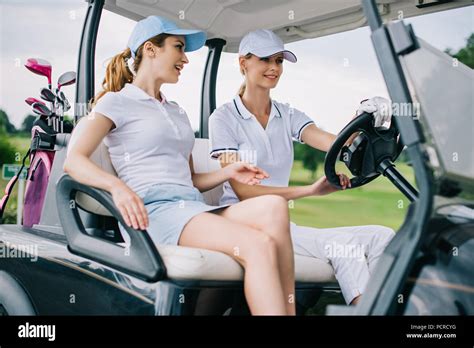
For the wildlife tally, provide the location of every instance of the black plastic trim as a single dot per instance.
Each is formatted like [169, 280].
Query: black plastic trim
[208, 90]
[142, 259]
[85, 65]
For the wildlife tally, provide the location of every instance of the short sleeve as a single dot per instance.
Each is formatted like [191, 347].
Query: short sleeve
[110, 105]
[222, 136]
[299, 121]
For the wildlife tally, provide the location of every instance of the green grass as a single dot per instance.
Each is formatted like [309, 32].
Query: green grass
[21, 144]
[378, 202]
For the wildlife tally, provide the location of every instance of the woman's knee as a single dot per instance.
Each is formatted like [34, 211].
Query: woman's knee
[273, 208]
[277, 202]
[259, 247]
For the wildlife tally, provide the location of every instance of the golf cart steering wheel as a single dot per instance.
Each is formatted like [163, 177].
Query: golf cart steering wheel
[368, 155]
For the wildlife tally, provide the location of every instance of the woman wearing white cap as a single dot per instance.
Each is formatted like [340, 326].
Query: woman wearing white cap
[254, 128]
[150, 140]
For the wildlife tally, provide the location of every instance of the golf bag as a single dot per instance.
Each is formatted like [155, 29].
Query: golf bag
[41, 154]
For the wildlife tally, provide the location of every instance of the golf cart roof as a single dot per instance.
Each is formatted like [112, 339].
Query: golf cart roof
[292, 20]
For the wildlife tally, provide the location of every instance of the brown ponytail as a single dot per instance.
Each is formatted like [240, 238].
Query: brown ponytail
[117, 73]
[243, 85]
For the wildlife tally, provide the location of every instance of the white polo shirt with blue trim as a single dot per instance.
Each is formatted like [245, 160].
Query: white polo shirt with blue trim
[232, 128]
[152, 140]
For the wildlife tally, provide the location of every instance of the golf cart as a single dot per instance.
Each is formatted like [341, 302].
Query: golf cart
[81, 266]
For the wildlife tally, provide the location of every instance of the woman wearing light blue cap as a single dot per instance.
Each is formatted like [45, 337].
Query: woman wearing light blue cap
[150, 140]
[254, 128]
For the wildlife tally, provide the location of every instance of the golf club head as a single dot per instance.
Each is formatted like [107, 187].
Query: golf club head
[63, 100]
[67, 106]
[37, 112]
[66, 79]
[32, 100]
[47, 94]
[41, 109]
[39, 66]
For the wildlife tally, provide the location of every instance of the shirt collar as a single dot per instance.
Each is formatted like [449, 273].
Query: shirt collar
[137, 93]
[246, 114]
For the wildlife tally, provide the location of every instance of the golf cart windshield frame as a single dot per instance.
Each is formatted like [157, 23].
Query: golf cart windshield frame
[85, 64]
[390, 41]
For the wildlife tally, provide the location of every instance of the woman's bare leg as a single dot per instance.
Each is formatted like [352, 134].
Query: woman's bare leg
[254, 250]
[269, 214]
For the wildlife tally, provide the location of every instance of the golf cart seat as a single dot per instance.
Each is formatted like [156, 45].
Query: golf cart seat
[183, 263]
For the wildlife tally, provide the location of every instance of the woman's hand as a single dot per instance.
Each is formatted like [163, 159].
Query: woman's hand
[245, 173]
[130, 206]
[380, 107]
[323, 186]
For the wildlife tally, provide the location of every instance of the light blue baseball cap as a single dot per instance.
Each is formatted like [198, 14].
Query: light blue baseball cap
[155, 25]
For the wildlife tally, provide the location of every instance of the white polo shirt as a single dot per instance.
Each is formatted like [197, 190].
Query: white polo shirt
[152, 141]
[232, 128]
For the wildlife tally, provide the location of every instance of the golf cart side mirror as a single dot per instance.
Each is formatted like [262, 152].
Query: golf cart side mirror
[142, 259]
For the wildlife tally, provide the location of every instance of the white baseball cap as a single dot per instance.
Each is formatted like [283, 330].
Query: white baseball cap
[264, 43]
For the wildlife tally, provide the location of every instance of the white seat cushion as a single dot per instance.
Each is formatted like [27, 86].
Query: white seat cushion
[184, 263]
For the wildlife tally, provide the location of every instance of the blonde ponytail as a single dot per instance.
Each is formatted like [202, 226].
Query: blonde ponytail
[243, 86]
[242, 89]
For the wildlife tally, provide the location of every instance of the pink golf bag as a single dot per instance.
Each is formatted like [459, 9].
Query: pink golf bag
[41, 155]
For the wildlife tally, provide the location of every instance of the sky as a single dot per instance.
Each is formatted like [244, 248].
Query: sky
[332, 75]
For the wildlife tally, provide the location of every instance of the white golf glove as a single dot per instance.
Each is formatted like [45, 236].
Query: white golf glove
[380, 107]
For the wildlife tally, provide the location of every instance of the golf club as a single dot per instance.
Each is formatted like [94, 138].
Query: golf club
[58, 100]
[48, 95]
[41, 109]
[66, 79]
[32, 100]
[59, 112]
[64, 101]
[40, 67]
